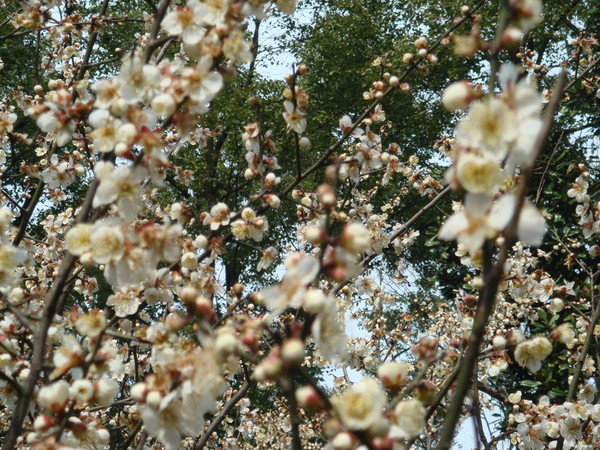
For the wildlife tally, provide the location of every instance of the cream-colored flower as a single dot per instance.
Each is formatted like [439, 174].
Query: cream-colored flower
[491, 125]
[107, 243]
[81, 390]
[124, 302]
[409, 420]
[532, 352]
[105, 130]
[77, 239]
[361, 405]
[477, 173]
[393, 374]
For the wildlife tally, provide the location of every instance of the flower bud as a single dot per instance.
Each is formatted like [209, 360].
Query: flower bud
[138, 392]
[499, 342]
[292, 351]
[394, 81]
[273, 201]
[308, 398]
[342, 441]
[457, 96]
[421, 43]
[188, 295]
[408, 58]
[43, 423]
[355, 237]
[154, 398]
[393, 374]
[304, 143]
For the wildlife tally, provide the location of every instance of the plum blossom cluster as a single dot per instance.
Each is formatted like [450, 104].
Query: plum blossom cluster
[493, 142]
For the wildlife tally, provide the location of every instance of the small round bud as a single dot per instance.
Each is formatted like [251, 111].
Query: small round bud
[201, 241]
[499, 342]
[154, 398]
[408, 58]
[421, 43]
[457, 96]
[250, 174]
[188, 295]
[422, 52]
[292, 351]
[138, 392]
[304, 143]
[394, 81]
[342, 441]
[432, 59]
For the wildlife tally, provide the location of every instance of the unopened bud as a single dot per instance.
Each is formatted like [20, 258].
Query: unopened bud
[499, 342]
[457, 96]
[292, 351]
[421, 43]
[154, 398]
[304, 142]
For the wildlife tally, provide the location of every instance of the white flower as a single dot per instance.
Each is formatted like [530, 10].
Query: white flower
[294, 117]
[219, 216]
[185, 21]
[138, 81]
[201, 83]
[290, 292]
[479, 221]
[77, 239]
[163, 105]
[329, 334]
[105, 130]
[124, 184]
[81, 390]
[106, 390]
[54, 396]
[124, 303]
[491, 125]
[532, 352]
[269, 255]
[477, 173]
[107, 92]
[409, 419]
[457, 96]
[107, 243]
[173, 418]
[361, 405]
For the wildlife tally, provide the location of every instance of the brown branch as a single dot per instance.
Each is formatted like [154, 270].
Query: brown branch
[223, 414]
[492, 275]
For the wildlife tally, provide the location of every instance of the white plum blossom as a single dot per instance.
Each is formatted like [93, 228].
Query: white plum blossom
[532, 352]
[361, 405]
[409, 419]
[124, 303]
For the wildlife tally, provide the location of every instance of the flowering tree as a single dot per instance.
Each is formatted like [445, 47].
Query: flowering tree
[189, 248]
